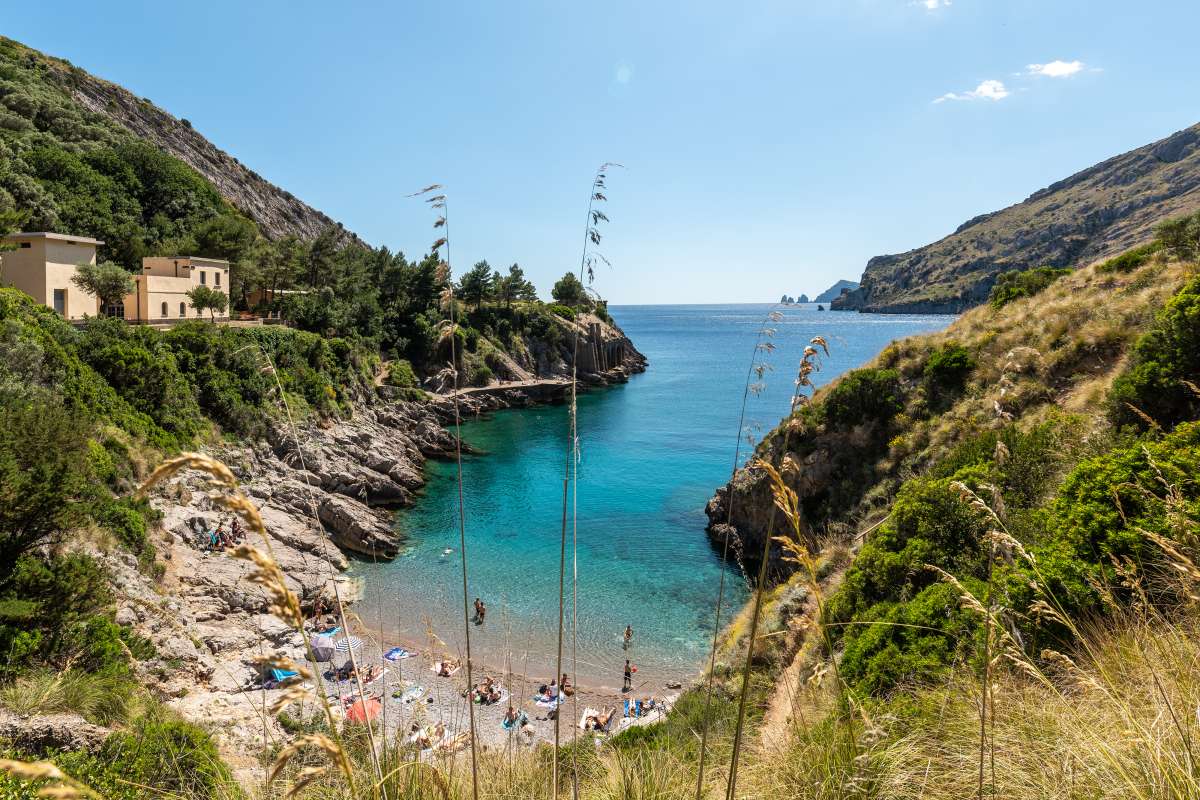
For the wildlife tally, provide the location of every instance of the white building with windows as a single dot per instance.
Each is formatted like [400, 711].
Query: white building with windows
[42, 265]
[161, 292]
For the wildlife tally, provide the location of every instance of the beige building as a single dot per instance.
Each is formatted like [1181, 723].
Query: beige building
[42, 266]
[161, 293]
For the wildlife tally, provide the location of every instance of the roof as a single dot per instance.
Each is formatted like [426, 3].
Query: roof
[196, 258]
[60, 237]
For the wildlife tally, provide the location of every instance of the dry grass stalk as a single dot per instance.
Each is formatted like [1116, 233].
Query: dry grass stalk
[440, 203]
[809, 363]
[764, 348]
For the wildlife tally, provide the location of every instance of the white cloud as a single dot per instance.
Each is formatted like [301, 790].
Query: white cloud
[987, 90]
[624, 72]
[934, 5]
[1055, 69]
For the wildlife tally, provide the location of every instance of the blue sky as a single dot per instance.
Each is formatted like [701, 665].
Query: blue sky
[771, 147]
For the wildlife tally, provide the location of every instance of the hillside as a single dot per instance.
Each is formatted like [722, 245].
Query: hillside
[835, 291]
[1089, 216]
[106, 112]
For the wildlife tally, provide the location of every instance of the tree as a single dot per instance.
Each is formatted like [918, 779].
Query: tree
[279, 265]
[43, 474]
[514, 286]
[477, 286]
[204, 298]
[108, 281]
[570, 292]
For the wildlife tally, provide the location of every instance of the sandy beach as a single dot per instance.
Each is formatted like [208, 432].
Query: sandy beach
[410, 692]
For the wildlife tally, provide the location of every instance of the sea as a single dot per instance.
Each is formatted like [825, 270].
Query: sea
[650, 454]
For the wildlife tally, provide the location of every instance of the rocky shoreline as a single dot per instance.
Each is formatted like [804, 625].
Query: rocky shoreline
[209, 624]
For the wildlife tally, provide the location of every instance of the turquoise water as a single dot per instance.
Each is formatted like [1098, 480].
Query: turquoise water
[653, 450]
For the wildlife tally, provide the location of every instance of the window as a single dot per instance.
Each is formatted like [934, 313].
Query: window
[216, 279]
[202, 276]
[183, 309]
[164, 308]
[26, 245]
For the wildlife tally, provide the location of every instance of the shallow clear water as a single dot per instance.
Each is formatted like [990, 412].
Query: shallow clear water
[653, 450]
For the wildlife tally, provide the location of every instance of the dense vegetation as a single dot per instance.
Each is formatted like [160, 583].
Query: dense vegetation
[1088, 494]
[66, 169]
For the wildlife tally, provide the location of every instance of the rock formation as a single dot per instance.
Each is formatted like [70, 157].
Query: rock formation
[278, 212]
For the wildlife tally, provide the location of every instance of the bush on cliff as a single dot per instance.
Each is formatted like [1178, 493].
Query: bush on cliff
[862, 396]
[1022, 283]
[1163, 380]
[160, 755]
[899, 622]
[1131, 259]
[945, 373]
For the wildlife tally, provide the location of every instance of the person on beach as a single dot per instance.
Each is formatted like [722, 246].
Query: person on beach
[627, 683]
[628, 635]
[567, 688]
[510, 717]
[478, 609]
[482, 612]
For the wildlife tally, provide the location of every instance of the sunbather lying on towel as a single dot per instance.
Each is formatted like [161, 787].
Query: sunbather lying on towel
[598, 721]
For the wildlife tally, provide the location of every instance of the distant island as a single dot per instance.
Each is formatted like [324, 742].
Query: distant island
[787, 301]
[835, 291]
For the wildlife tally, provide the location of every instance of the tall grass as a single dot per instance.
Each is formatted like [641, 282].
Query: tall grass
[100, 699]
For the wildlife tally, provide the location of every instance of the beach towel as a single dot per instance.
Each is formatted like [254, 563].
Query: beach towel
[627, 707]
[281, 675]
[397, 653]
[410, 694]
[508, 725]
[436, 667]
[545, 701]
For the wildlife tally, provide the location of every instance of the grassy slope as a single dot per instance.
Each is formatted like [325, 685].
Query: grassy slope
[1092, 215]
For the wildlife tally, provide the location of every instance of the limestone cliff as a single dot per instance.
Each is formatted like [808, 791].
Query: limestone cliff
[1092, 215]
[276, 211]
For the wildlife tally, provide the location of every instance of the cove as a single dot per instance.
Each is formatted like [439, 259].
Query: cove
[652, 452]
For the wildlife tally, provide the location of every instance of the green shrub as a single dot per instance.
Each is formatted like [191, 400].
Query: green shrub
[161, 756]
[169, 756]
[400, 373]
[1165, 359]
[1181, 236]
[861, 396]
[566, 312]
[946, 372]
[47, 612]
[141, 368]
[479, 375]
[1131, 259]
[1022, 283]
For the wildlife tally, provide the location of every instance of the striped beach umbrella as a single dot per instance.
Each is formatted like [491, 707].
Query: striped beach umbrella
[344, 645]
